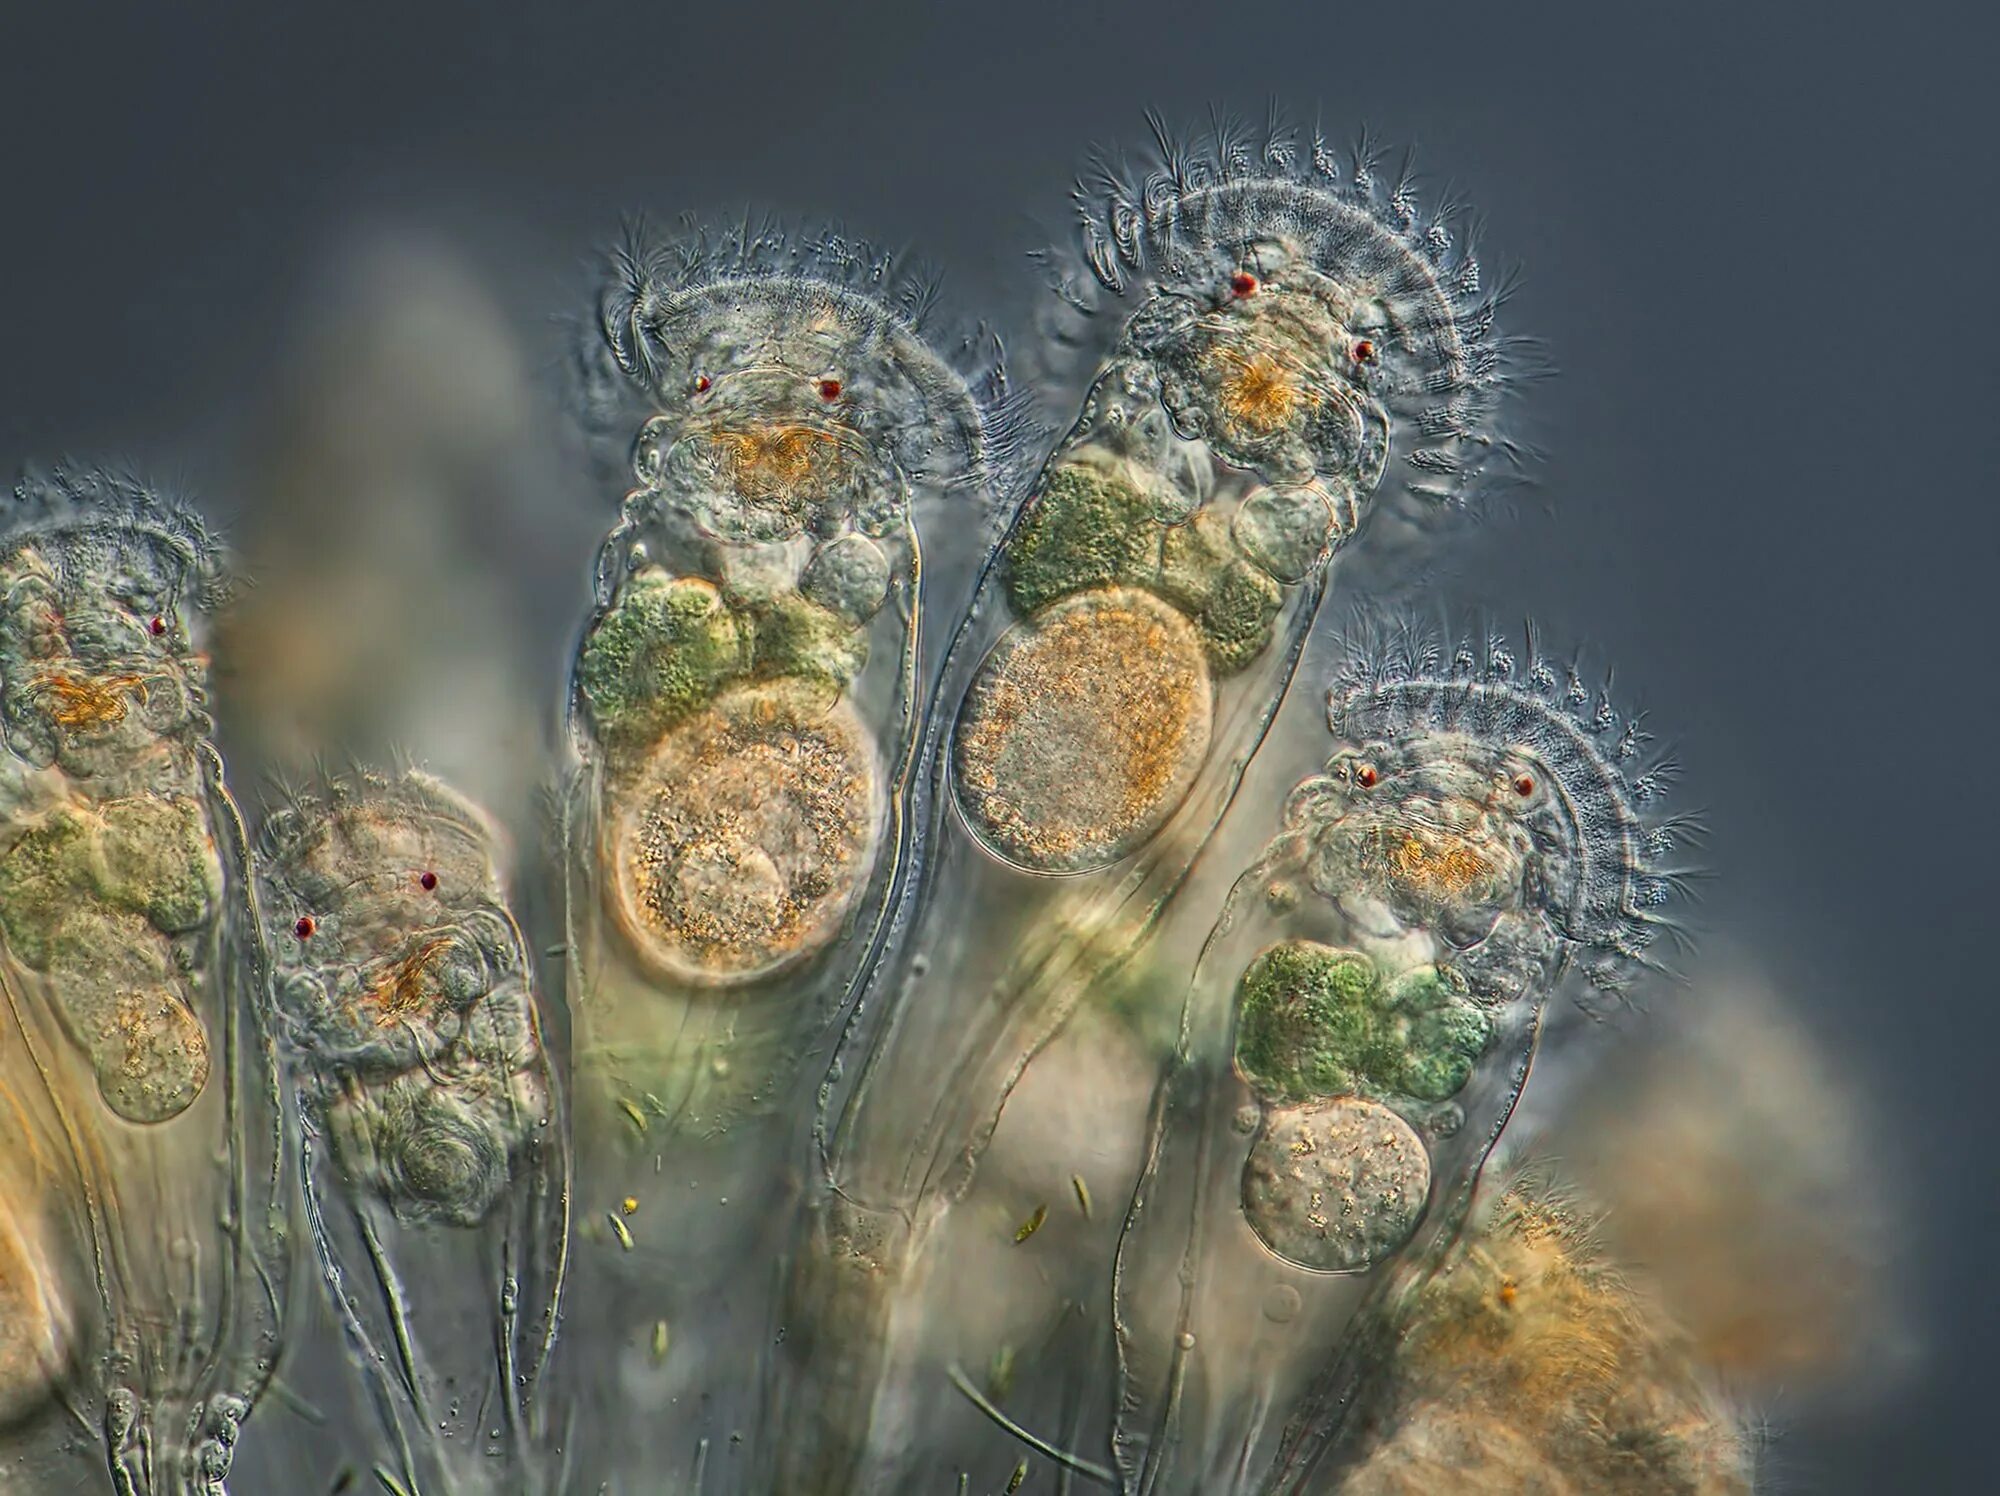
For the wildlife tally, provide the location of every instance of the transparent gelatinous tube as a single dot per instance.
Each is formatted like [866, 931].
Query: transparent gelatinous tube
[1288, 342]
[434, 1154]
[1360, 1023]
[744, 714]
[143, 1255]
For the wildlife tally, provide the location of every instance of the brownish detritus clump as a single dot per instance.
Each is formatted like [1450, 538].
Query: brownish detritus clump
[1526, 1363]
[742, 843]
[1084, 730]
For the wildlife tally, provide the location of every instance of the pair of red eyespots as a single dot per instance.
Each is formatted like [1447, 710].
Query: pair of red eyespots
[1366, 777]
[1243, 284]
[307, 925]
[829, 389]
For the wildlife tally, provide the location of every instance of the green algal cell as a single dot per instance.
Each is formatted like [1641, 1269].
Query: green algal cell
[1305, 1020]
[147, 855]
[38, 876]
[1438, 1033]
[1236, 624]
[1316, 1021]
[667, 647]
[1192, 556]
[155, 858]
[1087, 528]
[797, 638]
[1231, 601]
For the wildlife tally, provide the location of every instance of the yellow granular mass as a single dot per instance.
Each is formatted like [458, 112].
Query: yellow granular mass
[1259, 393]
[744, 840]
[1084, 730]
[1432, 865]
[779, 465]
[1528, 1364]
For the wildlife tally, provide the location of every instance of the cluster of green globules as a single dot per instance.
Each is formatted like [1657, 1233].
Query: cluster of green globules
[1093, 527]
[107, 888]
[142, 855]
[1315, 1021]
[141, 1174]
[671, 644]
[95, 898]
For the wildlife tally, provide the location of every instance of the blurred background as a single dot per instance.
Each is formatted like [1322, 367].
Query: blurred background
[317, 265]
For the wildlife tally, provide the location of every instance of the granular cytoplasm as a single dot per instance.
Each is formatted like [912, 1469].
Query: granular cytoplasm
[136, 1069]
[916, 1000]
[432, 1130]
[1486, 833]
[1084, 730]
[1276, 352]
[812, 448]
[1335, 1185]
[747, 836]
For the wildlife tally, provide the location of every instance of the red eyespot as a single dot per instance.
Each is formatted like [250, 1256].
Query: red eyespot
[1365, 776]
[701, 383]
[158, 625]
[305, 927]
[1243, 283]
[829, 389]
[1524, 784]
[1364, 352]
[428, 881]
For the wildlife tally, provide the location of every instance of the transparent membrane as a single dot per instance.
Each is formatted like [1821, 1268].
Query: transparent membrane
[433, 1149]
[143, 1252]
[963, 1100]
[746, 704]
[1360, 1024]
[1283, 344]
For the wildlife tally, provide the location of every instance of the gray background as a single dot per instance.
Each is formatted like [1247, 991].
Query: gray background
[1755, 243]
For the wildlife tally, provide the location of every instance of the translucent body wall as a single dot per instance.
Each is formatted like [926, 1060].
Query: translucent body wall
[1025, 968]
